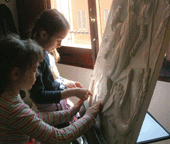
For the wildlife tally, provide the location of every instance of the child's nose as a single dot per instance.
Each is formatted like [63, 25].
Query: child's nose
[59, 44]
[37, 74]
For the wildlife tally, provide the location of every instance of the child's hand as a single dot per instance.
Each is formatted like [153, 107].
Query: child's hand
[77, 106]
[78, 85]
[80, 93]
[72, 84]
[94, 110]
[83, 93]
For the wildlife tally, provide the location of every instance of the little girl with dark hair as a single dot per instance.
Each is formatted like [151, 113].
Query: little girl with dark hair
[48, 93]
[19, 60]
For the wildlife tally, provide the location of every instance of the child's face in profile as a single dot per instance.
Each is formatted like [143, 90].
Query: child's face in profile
[27, 80]
[55, 41]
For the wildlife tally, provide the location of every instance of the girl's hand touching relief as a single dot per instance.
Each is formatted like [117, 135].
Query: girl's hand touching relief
[77, 107]
[83, 93]
[80, 93]
[94, 110]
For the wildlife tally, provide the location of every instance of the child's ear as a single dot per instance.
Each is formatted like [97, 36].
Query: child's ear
[16, 72]
[44, 35]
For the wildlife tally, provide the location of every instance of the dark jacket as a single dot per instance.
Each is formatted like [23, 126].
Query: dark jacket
[45, 90]
[6, 21]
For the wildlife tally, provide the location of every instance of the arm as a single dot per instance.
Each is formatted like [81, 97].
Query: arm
[78, 92]
[43, 132]
[59, 117]
[39, 93]
[56, 117]
[70, 83]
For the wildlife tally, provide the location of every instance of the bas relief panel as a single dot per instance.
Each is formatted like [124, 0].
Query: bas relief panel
[128, 65]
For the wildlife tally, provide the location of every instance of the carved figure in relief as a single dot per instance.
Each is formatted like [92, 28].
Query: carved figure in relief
[165, 19]
[144, 18]
[126, 78]
[96, 89]
[132, 36]
[116, 90]
[115, 27]
[134, 32]
[119, 97]
[121, 56]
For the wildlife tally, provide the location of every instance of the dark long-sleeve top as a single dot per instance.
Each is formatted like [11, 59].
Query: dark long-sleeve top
[46, 89]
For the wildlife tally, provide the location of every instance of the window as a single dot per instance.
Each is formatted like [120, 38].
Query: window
[87, 20]
[82, 22]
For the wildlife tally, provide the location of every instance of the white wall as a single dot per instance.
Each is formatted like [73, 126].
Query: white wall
[160, 103]
[81, 75]
[160, 106]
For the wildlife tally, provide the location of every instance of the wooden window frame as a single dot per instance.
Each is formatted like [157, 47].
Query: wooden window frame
[29, 10]
[82, 57]
[75, 56]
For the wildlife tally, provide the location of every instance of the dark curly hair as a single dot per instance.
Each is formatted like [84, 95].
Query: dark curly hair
[15, 52]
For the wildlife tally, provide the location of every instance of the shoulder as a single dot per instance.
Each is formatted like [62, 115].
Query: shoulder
[12, 104]
[18, 109]
[43, 65]
[46, 58]
[18, 104]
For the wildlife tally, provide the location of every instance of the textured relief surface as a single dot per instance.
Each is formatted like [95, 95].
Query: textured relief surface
[128, 64]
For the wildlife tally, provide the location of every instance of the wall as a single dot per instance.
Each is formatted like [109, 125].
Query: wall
[81, 75]
[160, 103]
